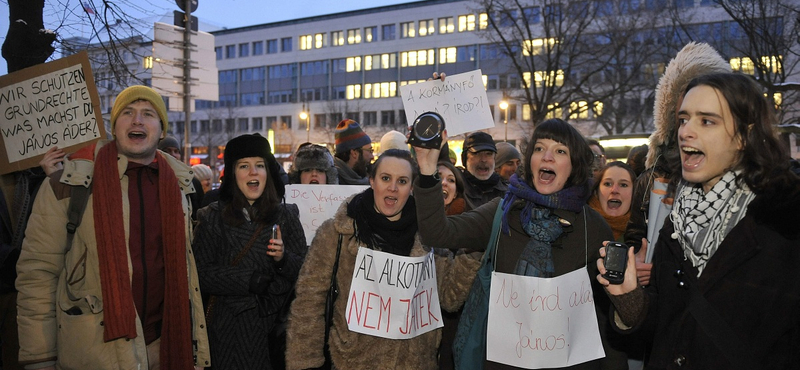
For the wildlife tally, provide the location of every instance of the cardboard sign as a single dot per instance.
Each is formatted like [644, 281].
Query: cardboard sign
[318, 203]
[542, 323]
[52, 104]
[393, 296]
[460, 99]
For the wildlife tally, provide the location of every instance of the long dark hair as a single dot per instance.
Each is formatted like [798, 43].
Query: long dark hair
[599, 178]
[263, 209]
[580, 154]
[764, 161]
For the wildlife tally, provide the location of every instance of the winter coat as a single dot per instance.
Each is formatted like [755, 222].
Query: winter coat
[571, 251]
[477, 196]
[237, 332]
[350, 350]
[48, 274]
[752, 282]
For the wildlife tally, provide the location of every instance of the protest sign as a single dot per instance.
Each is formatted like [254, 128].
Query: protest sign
[52, 104]
[318, 203]
[393, 296]
[542, 323]
[460, 99]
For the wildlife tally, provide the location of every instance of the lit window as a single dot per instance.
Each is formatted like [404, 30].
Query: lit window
[543, 78]
[743, 64]
[337, 38]
[526, 112]
[353, 92]
[370, 34]
[597, 108]
[485, 79]
[354, 36]
[306, 42]
[554, 111]
[148, 62]
[417, 57]
[483, 21]
[579, 110]
[407, 30]
[319, 41]
[446, 25]
[778, 98]
[447, 55]
[426, 28]
[773, 64]
[466, 22]
[388, 61]
[536, 46]
[353, 64]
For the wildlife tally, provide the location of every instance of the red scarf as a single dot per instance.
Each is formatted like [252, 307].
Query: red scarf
[618, 223]
[119, 310]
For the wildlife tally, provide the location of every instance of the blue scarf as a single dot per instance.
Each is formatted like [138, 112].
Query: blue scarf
[540, 223]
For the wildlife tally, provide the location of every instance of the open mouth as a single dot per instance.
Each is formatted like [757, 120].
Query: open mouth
[315, 182]
[692, 156]
[546, 174]
[253, 184]
[445, 193]
[614, 203]
[137, 135]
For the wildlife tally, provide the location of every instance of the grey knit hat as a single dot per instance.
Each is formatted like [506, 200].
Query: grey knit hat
[311, 157]
[505, 153]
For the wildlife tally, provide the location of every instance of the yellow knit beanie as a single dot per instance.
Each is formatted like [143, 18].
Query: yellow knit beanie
[139, 92]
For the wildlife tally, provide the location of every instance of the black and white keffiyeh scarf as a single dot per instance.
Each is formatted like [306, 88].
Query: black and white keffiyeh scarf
[702, 220]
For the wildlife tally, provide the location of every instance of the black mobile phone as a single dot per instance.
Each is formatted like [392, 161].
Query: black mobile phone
[615, 262]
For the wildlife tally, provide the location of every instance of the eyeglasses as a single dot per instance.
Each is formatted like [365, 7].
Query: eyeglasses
[367, 149]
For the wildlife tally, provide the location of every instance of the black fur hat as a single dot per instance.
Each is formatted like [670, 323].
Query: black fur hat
[313, 157]
[246, 146]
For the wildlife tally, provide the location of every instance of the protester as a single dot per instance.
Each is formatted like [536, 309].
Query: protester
[599, 156]
[127, 279]
[452, 189]
[507, 161]
[725, 291]
[313, 164]
[393, 140]
[353, 153]
[546, 230]
[478, 157]
[171, 146]
[611, 196]
[205, 175]
[382, 218]
[248, 271]
[694, 60]
[636, 158]
[454, 204]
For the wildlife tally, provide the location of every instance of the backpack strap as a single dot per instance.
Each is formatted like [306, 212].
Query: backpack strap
[79, 196]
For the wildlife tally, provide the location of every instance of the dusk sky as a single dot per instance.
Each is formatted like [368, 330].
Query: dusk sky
[223, 13]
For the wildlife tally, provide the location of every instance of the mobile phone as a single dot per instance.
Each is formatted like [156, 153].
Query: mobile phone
[615, 262]
[275, 231]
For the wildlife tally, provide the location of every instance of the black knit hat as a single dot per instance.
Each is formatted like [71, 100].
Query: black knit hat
[246, 146]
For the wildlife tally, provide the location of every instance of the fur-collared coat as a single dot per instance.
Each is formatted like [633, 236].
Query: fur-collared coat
[351, 350]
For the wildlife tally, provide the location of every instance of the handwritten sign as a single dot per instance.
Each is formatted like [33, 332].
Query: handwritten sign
[542, 323]
[393, 296]
[53, 104]
[460, 99]
[318, 203]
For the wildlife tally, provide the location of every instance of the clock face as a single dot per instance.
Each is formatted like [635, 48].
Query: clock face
[427, 126]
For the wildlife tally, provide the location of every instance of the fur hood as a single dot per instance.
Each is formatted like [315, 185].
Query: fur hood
[695, 59]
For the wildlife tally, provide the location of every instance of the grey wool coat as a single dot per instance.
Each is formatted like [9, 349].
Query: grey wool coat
[351, 350]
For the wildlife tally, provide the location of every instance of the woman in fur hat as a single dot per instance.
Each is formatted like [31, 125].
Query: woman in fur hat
[248, 269]
[313, 164]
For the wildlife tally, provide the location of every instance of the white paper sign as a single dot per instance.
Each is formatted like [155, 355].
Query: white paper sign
[460, 99]
[542, 323]
[318, 203]
[393, 296]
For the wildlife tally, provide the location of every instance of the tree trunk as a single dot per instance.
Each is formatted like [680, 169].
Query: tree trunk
[26, 43]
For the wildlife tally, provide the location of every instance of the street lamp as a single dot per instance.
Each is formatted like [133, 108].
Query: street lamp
[304, 115]
[504, 107]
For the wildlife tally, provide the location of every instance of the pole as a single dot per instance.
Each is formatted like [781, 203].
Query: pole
[187, 87]
[505, 121]
[308, 127]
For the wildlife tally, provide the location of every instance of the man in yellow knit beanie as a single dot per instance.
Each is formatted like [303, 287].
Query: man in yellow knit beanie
[120, 289]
